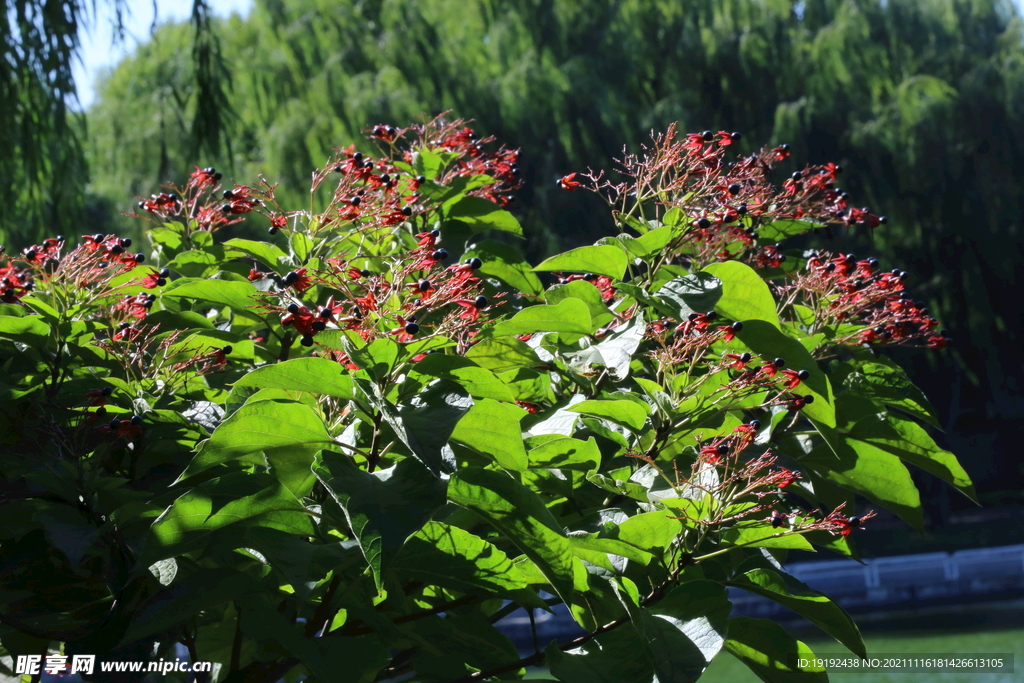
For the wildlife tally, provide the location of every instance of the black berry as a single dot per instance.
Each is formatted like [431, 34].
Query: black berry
[412, 328]
[803, 374]
[306, 340]
[481, 301]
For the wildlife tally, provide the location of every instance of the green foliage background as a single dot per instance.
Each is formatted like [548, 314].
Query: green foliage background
[921, 100]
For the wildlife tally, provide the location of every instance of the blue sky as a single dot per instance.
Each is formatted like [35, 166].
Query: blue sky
[99, 51]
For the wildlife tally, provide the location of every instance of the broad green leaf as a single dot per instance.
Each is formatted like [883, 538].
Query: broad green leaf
[654, 241]
[482, 214]
[699, 292]
[567, 454]
[520, 514]
[764, 536]
[593, 549]
[492, 428]
[289, 433]
[233, 499]
[618, 346]
[479, 382]
[571, 315]
[270, 254]
[886, 383]
[237, 295]
[505, 263]
[601, 260]
[503, 355]
[745, 296]
[683, 631]
[457, 645]
[629, 414]
[781, 228]
[27, 330]
[808, 603]
[426, 422]
[875, 474]
[180, 602]
[450, 557]
[771, 652]
[611, 657]
[585, 292]
[912, 444]
[767, 341]
[312, 375]
[383, 508]
[650, 531]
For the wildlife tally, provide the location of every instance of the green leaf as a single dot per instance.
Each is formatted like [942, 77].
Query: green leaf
[479, 382]
[233, 499]
[609, 658]
[505, 263]
[239, 296]
[492, 429]
[873, 473]
[520, 514]
[808, 603]
[911, 443]
[482, 214]
[313, 375]
[771, 652]
[745, 296]
[571, 315]
[289, 433]
[764, 536]
[769, 342]
[426, 422]
[886, 383]
[383, 508]
[566, 454]
[629, 414]
[683, 631]
[270, 254]
[450, 557]
[27, 330]
[654, 241]
[781, 228]
[588, 294]
[183, 600]
[699, 292]
[602, 260]
[503, 355]
[651, 531]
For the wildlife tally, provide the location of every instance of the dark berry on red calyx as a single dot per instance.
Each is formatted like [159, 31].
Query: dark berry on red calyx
[808, 399]
[589, 277]
[368, 165]
[151, 297]
[412, 328]
[165, 272]
[830, 267]
[99, 237]
[423, 285]
[797, 175]
[290, 277]
[117, 249]
[326, 314]
[364, 273]
[293, 308]
[510, 198]
[703, 223]
[30, 254]
[385, 178]
[318, 325]
[883, 219]
[839, 169]
[225, 208]
[355, 201]
[944, 332]
[722, 449]
[411, 319]
[421, 179]
[756, 424]
[737, 326]
[707, 136]
[406, 210]
[358, 156]
[735, 188]
[338, 168]
[735, 137]
[803, 374]
[227, 349]
[779, 362]
[107, 391]
[873, 262]
[711, 315]
[101, 411]
[744, 357]
[115, 424]
[741, 209]
[141, 205]
[139, 258]
[474, 263]
[124, 326]
[306, 340]
[481, 301]
[228, 194]
[693, 316]
[754, 235]
[853, 522]
[125, 242]
[271, 230]
[440, 255]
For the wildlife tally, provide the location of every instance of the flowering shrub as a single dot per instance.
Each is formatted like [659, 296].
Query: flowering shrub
[354, 448]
